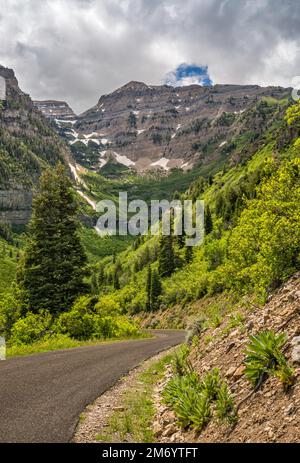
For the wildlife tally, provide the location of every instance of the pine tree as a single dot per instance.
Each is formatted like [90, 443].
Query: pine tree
[166, 263]
[116, 281]
[156, 289]
[208, 223]
[181, 237]
[188, 254]
[101, 276]
[94, 283]
[53, 266]
[148, 288]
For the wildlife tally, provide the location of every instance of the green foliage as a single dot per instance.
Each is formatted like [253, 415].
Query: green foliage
[225, 408]
[166, 263]
[10, 310]
[31, 328]
[79, 322]
[191, 398]
[87, 320]
[8, 266]
[148, 288]
[97, 247]
[211, 383]
[188, 255]
[28, 145]
[264, 356]
[6, 231]
[293, 116]
[156, 290]
[54, 262]
[180, 364]
[208, 222]
[264, 247]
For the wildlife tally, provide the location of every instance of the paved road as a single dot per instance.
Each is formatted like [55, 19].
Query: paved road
[42, 396]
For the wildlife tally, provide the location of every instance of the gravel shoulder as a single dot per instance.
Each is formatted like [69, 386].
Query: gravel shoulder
[96, 419]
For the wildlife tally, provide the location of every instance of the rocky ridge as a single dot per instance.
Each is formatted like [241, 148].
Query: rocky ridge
[28, 144]
[161, 127]
[53, 109]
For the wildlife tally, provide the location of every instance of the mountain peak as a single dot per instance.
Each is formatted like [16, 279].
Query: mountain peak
[134, 85]
[7, 73]
[53, 109]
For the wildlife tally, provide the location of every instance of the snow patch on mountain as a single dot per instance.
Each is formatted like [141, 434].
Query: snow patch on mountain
[123, 160]
[162, 162]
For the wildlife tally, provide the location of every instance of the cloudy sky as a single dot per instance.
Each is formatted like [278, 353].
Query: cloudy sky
[77, 50]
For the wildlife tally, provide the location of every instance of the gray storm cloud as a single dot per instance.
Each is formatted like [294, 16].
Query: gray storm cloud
[79, 49]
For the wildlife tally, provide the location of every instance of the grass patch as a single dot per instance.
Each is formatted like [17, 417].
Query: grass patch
[134, 423]
[62, 342]
[97, 247]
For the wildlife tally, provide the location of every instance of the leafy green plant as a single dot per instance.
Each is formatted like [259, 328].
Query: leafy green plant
[181, 365]
[192, 409]
[225, 408]
[216, 321]
[191, 406]
[264, 356]
[191, 399]
[211, 384]
[179, 383]
[201, 413]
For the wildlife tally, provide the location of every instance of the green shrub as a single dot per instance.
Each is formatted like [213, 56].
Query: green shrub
[264, 356]
[10, 310]
[76, 324]
[31, 328]
[87, 320]
[264, 247]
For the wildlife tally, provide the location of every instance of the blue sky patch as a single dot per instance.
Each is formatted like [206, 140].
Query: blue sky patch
[189, 74]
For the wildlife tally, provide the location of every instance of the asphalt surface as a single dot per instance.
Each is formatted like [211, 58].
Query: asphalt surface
[42, 395]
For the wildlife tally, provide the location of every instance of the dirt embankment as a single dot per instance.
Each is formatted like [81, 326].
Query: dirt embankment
[270, 414]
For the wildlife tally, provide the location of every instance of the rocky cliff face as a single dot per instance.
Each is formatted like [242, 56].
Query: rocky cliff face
[53, 109]
[161, 127]
[15, 206]
[28, 144]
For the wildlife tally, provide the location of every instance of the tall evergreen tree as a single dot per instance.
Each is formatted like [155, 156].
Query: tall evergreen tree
[116, 281]
[101, 276]
[94, 283]
[156, 289]
[188, 254]
[208, 223]
[166, 262]
[53, 266]
[181, 237]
